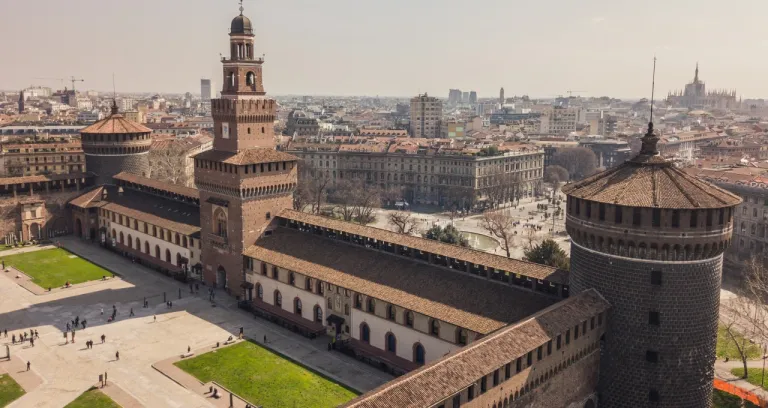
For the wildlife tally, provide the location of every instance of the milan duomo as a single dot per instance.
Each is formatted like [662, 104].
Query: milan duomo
[631, 325]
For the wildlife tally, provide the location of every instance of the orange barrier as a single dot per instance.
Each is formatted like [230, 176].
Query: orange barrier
[739, 392]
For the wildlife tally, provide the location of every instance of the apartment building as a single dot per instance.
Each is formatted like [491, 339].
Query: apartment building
[426, 114]
[25, 159]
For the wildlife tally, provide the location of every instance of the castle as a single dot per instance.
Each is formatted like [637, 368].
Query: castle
[632, 325]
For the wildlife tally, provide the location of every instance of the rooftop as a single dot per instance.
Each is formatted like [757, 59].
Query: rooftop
[188, 192]
[648, 180]
[115, 124]
[250, 156]
[529, 269]
[464, 300]
[456, 371]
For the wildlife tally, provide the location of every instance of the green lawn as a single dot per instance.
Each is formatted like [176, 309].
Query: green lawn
[55, 267]
[754, 375]
[265, 378]
[93, 398]
[9, 390]
[721, 399]
[725, 346]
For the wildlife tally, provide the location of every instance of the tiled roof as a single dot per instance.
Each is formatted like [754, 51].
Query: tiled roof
[453, 373]
[651, 182]
[529, 269]
[116, 124]
[461, 299]
[250, 156]
[6, 181]
[88, 199]
[158, 185]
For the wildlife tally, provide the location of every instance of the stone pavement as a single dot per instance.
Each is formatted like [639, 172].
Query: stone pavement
[67, 370]
[29, 248]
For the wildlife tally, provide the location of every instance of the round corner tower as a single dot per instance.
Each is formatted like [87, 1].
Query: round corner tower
[650, 239]
[114, 145]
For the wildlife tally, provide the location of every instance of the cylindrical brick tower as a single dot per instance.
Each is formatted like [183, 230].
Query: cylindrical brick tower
[115, 145]
[650, 239]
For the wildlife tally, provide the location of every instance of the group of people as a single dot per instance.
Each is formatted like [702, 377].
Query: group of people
[33, 334]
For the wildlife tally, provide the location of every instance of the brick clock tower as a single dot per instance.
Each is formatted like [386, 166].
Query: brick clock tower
[243, 182]
[650, 238]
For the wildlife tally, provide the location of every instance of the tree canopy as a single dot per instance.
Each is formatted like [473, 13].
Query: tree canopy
[549, 253]
[579, 162]
[449, 235]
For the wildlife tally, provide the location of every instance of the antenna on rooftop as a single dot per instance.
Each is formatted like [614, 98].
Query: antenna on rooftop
[653, 86]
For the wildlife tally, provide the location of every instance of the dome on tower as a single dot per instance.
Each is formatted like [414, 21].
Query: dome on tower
[648, 180]
[241, 25]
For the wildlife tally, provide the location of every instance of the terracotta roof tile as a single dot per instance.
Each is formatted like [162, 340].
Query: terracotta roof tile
[529, 269]
[461, 299]
[250, 156]
[4, 181]
[453, 373]
[651, 183]
[159, 185]
[116, 124]
[86, 200]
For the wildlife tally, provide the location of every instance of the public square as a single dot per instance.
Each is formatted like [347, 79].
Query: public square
[60, 372]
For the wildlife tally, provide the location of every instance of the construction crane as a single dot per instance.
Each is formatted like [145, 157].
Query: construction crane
[72, 79]
[570, 93]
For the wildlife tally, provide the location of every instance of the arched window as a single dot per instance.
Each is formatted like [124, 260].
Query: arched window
[308, 283]
[390, 312]
[130, 241]
[358, 302]
[138, 244]
[461, 337]
[319, 287]
[330, 303]
[434, 327]
[390, 342]
[231, 80]
[176, 239]
[220, 223]
[157, 251]
[365, 333]
[371, 305]
[419, 355]
[278, 299]
[297, 306]
[408, 318]
[168, 256]
[250, 79]
[146, 247]
[275, 272]
[260, 291]
[318, 314]
[346, 310]
[292, 278]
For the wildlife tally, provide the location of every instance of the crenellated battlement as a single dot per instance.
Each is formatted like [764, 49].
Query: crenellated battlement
[243, 106]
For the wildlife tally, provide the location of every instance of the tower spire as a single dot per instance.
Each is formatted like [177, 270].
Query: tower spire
[241, 7]
[696, 76]
[650, 140]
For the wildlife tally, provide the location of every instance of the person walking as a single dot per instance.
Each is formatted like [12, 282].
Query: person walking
[102, 310]
[32, 341]
[155, 317]
[67, 326]
[131, 314]
[37, 334]
[103, 337]
[189, 349]
[66, 340]
[117, 355]
[6, 333]
[28, 365]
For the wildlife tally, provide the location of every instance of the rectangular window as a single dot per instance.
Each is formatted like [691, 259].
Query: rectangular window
[496, 378]
[654, 318]
[655, 277]
[709, 218]
[559, 342]
[592, 323]
[549, 347]
[519, 365]
[600, 320]
[483, 385]
[539, 353]
[651, 356]
[576, 332]
[471, 392]
[529, 359]
[588, 209]
[656, 217]
[675, 218]
[457, 401]
[568, 337]
[601, 212]
[637, 217]
[653, 395]
[584, 327]
[508, 370]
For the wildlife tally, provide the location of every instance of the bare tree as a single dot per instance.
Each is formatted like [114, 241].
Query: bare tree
[555, 175]
[404, 222]
[501, 226]
[580, 162]
[343, 197]
[745, 316]
[366, 198]
[169, 163]
[301, 197]
[314, 183]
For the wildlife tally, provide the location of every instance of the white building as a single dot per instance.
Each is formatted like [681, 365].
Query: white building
[90, 116]
[205, 90]
[558, 120]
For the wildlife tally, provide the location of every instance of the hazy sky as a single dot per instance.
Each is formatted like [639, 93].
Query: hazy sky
[393, 47]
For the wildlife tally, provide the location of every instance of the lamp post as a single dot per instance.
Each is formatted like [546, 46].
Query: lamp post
[762, 379]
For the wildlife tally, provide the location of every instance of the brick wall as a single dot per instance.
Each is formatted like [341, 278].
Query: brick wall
[55, 217]
[107, 166]
[684, 339]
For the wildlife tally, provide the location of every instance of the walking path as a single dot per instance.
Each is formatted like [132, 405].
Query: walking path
[723, 372]
[68, 370]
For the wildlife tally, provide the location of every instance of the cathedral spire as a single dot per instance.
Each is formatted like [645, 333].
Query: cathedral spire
[696, 77]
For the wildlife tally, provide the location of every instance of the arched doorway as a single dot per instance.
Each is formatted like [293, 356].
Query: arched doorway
[390, 342]
[365, 333]
[34, 231]
[168, 255]
[221, 278]
[419, 355]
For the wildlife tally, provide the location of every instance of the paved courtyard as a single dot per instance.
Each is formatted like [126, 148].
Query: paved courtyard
[67, 370]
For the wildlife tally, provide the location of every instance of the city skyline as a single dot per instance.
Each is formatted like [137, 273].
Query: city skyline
[346, 49]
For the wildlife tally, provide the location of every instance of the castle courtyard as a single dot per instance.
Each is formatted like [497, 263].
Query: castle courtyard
[60, 372]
